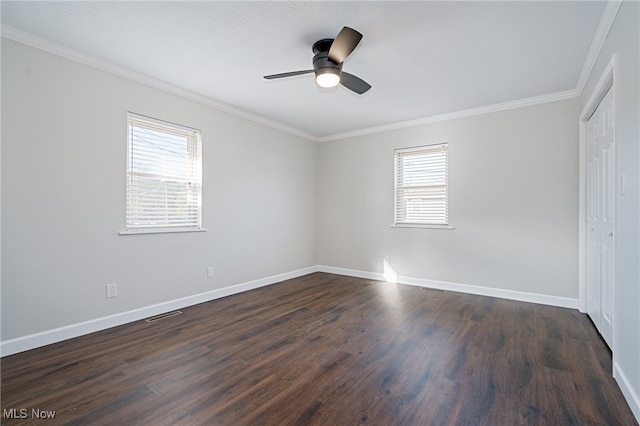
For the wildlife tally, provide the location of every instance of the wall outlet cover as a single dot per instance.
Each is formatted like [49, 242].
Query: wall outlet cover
[112, 290]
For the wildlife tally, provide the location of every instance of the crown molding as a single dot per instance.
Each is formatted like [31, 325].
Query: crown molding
[48, 46]
[606, 21]
[604, 26]
[519, 103]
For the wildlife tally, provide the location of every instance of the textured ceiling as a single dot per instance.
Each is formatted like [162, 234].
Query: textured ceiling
[422, 58]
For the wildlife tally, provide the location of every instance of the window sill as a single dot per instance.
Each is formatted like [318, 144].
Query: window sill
[159, 231]
[417, 225]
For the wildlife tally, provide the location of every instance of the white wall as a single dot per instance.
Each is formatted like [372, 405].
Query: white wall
[623, 42]
[63, 181]
[513, 202]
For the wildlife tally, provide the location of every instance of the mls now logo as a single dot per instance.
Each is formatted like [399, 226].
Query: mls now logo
[23, 413]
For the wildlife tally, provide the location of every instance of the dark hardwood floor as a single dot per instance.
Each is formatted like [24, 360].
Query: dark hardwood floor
[327, 350]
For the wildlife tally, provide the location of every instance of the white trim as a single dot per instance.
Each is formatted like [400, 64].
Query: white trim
[47, 337]
[80, 57]
[604, 26]
[39, 43]
[32, 341]
[606, 21]
[161, 123]
[430, 147]
[627, 390]
[582, 216]
[544, 299]
[416, 225]
[519, 103]
[143, 231]
[351, 272]
[607, 81]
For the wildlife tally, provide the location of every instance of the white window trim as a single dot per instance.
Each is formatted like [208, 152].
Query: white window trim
[417, 225]
[160, 231]
[164, 229]
[397, 224]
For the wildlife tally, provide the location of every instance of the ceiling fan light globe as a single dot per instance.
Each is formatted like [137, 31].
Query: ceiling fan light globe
[327, 79]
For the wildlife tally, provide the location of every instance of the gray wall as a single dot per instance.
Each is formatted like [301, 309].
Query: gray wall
[513, 179]
[63, 195]
[275, 203]
[623, 41]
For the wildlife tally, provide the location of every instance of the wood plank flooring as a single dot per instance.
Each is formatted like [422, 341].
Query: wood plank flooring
[327, 350]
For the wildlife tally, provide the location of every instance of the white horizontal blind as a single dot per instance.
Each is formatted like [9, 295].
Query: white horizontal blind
[422, 185]
[164, 176]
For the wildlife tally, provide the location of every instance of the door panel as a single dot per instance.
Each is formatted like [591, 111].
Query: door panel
[600, 193]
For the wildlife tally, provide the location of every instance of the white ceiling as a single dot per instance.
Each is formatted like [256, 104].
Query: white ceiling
[422, 58]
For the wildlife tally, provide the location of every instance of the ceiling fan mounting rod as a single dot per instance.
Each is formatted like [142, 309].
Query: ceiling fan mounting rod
[322, 45]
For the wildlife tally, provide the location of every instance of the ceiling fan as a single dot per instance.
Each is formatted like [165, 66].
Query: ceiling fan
[329, 54]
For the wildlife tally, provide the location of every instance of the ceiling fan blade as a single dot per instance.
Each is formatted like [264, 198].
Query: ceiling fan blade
[354, 83]
[343, 45]
[287, 74]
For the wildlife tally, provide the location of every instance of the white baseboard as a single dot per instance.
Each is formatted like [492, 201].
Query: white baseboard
[351, 272]
[544, 299]
[623, 383]
[32, 341]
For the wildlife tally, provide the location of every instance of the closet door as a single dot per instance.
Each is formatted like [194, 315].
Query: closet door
[601, 173]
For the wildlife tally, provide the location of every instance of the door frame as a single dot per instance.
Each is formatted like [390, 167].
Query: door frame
[608, 80]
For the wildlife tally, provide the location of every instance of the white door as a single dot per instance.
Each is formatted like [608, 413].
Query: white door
[601, 172]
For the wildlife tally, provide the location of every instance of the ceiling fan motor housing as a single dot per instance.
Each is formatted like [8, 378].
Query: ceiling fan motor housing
[321, 61]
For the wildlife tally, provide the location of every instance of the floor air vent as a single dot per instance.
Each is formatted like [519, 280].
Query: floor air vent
[163, 316]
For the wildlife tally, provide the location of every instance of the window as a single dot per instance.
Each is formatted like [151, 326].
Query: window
[164, 177]
[422, 185]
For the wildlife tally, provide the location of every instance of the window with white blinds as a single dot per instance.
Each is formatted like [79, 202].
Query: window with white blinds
[422, 185]
[164, 176]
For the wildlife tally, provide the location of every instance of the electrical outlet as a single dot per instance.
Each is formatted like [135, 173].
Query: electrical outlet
[112, 290]
[210, 272]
